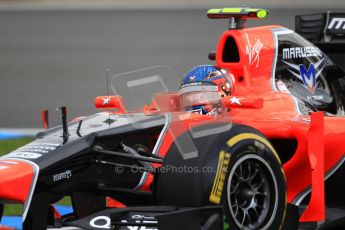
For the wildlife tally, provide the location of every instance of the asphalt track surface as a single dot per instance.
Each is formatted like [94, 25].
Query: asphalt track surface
[52, 58]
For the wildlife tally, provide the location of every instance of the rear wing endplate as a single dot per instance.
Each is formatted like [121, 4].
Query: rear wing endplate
[326, 30]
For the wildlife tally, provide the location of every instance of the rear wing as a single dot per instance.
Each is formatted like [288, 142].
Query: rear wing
[326, 30]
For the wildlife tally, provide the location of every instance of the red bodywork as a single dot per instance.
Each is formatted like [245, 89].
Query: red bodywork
[278, 117]
[16, 180]
[320, 140]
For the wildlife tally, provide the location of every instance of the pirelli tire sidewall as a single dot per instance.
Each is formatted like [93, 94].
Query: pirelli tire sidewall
[243, 143]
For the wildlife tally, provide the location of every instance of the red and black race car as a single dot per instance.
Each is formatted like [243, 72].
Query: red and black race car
[272, 157]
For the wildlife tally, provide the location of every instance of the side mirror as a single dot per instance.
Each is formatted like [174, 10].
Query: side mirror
[243, 102]
[110, 102]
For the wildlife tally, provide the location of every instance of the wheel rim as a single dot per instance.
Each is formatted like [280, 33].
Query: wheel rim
[251, 192]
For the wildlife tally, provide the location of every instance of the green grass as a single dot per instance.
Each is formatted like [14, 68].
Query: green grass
[17, 209]
[65, 201]
[7, 146]
[13, 210]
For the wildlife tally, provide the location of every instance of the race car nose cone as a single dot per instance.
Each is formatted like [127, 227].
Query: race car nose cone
[16, 177]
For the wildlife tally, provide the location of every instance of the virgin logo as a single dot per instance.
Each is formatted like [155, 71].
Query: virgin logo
[253, 51]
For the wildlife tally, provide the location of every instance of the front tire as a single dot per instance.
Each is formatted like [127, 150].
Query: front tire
[255, 201]
[254, 192]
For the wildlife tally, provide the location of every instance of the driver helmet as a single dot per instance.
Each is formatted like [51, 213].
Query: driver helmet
[203, 87]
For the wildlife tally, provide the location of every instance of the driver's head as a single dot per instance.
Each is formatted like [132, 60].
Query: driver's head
[203, 87]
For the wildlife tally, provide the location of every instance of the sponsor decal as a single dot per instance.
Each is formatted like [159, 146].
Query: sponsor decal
[24, 155]
[141, 219]
[218, 184]
[253, 52]
[315, 98]
[101, 222]
[337, 24]
[301, 52]
[62, 176]
[235, 100]
[33, 150]
[104, 222]
[38, 148]
[308, 75]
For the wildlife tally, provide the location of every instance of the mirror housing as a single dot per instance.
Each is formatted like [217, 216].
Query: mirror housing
[110, 102]
[243, 102]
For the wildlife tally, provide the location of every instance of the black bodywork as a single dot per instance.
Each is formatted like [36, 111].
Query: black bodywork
[84, 166]
[95, 161]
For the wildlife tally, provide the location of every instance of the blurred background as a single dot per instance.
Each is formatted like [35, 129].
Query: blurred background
[55, 53]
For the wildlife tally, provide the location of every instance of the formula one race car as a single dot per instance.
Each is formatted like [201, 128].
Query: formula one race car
[254, 142]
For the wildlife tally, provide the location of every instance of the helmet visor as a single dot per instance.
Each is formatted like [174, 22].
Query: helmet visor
[199, 98]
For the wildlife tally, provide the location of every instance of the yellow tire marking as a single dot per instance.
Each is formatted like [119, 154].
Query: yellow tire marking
[218, 184]
[244, 136]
